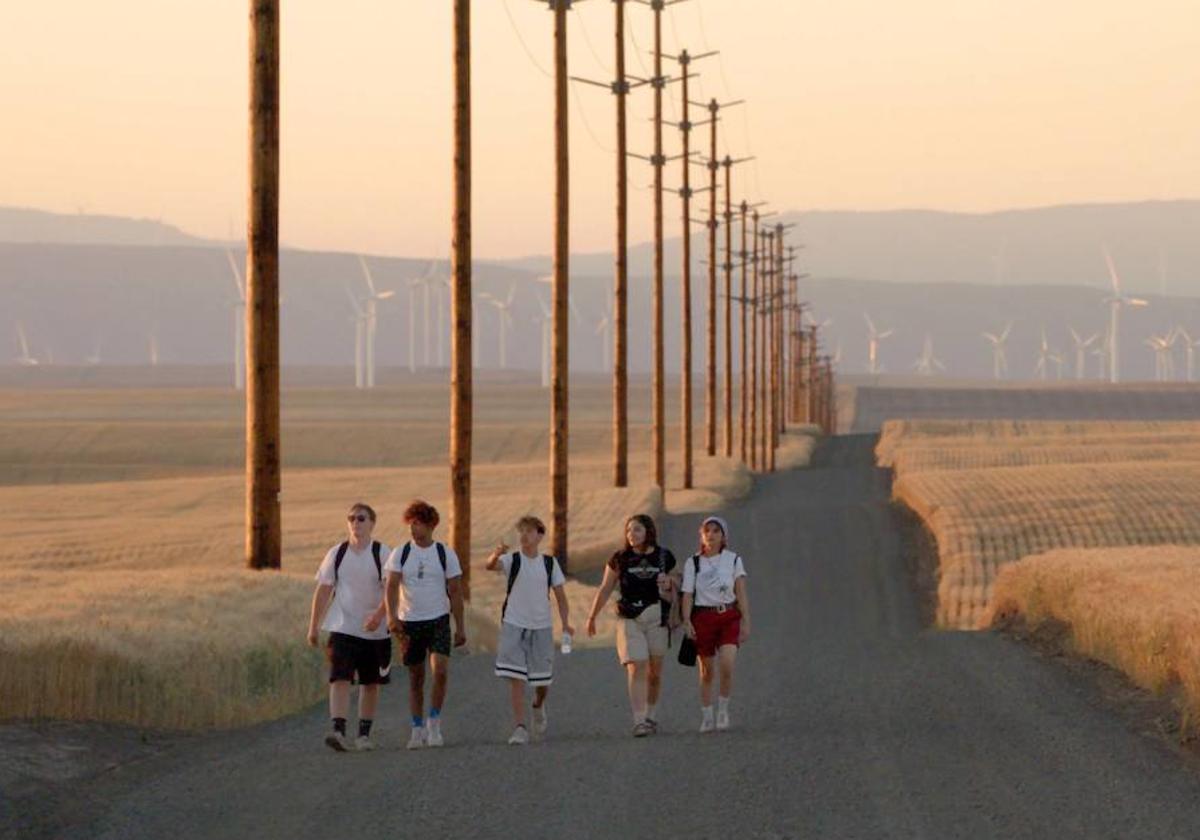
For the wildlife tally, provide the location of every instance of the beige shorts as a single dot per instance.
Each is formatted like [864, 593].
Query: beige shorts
[640, 638]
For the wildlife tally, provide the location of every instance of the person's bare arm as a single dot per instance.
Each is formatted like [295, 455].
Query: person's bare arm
[391, 598]
[743, 602]
[493, 561]
[322, 595]
[605, 591]
[456, 608]
[686, 611]
[564, 608]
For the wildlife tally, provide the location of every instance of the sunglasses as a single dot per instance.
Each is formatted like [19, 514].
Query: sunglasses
[357, 517]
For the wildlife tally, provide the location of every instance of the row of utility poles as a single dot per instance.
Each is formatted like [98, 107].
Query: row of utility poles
[783, 377]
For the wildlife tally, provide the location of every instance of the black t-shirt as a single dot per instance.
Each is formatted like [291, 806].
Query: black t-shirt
[638, 576]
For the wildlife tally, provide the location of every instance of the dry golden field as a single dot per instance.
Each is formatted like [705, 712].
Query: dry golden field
[994, 492]
[1135, 609]
[122, 519]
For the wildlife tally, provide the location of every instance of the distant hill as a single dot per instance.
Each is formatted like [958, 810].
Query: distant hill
[1155, 244]
[21, 224]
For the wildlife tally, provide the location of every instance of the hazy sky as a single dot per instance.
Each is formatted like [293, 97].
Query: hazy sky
[137, 107]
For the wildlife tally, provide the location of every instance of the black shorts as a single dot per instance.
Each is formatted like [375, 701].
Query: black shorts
[368, 659]
[422, 638]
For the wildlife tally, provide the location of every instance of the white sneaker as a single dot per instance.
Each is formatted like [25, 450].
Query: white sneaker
[519, 736]
[363, 743]
[539, 720]
[723, 719]
[336, 741]
[706, 722]
[417, 740]
[433, 737]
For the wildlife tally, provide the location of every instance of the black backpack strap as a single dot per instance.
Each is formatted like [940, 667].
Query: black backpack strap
[514, 568]
[337, 560]
[404, 552]
[441, 550]
[376, 550]
[549, 561]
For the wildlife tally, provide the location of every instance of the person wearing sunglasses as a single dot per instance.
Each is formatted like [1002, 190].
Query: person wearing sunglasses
[348, 603]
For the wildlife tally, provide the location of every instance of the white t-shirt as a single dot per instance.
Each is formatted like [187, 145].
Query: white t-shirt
[529, 602]
[714, 586]
[357, 593]
[422, 584]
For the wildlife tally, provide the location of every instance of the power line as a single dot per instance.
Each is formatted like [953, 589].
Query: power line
[586, 124]
[528, 52]
[591, 48]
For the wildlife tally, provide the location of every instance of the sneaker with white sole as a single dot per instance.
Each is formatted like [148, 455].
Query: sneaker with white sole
[417, 740]
[642, 728]
[723, 719]
[539, 720]
[519, 736]
[433, 735]
[363, 743]
[706, 721]
[336, 741]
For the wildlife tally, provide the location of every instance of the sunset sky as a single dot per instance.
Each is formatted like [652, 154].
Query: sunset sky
[139, 108]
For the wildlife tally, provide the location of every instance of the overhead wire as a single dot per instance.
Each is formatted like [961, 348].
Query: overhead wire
[528, 52]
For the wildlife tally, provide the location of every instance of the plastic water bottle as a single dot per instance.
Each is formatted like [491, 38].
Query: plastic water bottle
[566, 642]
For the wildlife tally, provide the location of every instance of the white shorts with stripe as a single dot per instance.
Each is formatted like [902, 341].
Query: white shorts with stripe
[526, 655]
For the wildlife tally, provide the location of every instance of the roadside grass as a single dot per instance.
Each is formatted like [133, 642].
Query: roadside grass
[1134, 609]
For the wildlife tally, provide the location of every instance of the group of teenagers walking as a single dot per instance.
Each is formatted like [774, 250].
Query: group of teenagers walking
[368, 594]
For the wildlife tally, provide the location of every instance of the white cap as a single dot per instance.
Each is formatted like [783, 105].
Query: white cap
[721, 523]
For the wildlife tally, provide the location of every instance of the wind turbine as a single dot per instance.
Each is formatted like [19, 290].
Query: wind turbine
[239, 324]
[927, 363]
[547, 322]
[1081, 346]
[360, 319]
[504, 320]
[604, 330]
[1189, 352]
[372, 318]
[873, 339]
[1042, 367]
[1114, 308]
[26, 359]
[414, 284]
[999, 358]
[152, 345]
[1164, 362]
[93, 358]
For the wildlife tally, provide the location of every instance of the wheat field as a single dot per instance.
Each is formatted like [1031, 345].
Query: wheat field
[1135, 609]
[122, 515]
[993, 492]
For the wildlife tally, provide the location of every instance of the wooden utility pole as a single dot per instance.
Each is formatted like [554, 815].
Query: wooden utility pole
[710, 370]
[728, 163]
[756, 297]
[621, 290]
[620, 87]
[686, 192]
[744, 437]
[710, 395]
[658, 398]
[462, 339]
[264, 523]
[772, 347]
[559, 305]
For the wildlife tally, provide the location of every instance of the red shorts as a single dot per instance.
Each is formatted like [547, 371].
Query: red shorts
[715, 629]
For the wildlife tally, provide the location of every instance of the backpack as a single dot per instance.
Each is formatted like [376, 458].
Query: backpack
[407, 550]
[341, 555]
[515, 568]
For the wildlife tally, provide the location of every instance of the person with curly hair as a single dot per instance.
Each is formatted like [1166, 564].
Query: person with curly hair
[423, 588]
